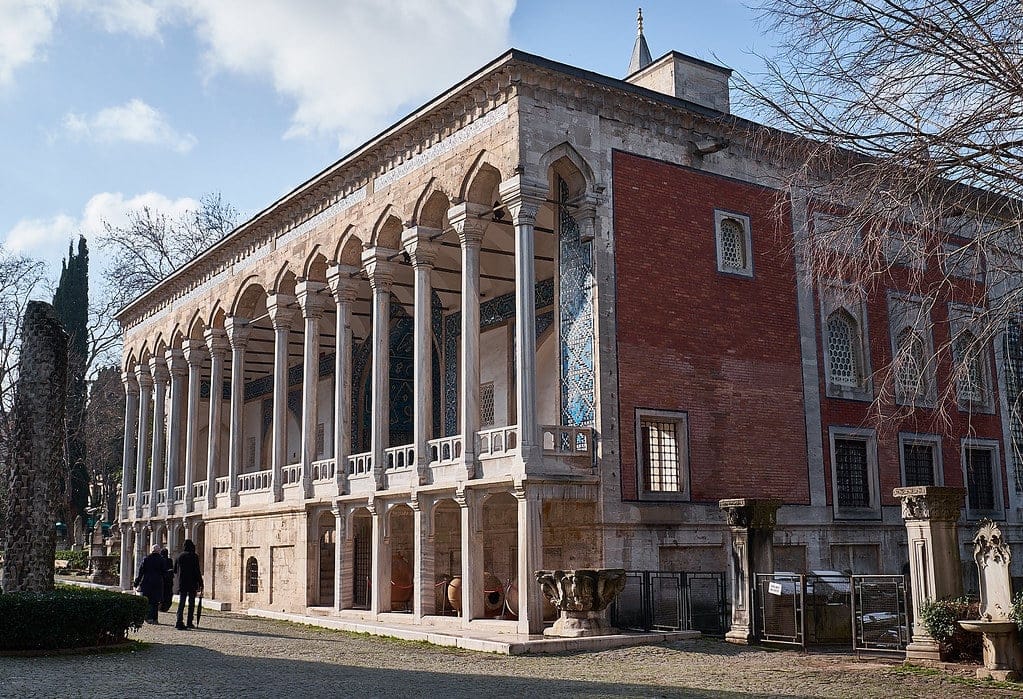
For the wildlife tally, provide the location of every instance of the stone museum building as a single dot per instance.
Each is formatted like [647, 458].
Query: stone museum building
[547, 320]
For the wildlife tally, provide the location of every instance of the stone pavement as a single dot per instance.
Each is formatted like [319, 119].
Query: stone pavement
[235, 655]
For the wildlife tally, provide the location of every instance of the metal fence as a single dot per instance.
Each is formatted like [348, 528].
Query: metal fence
[657, 600]
[880, 614]
[803, 609]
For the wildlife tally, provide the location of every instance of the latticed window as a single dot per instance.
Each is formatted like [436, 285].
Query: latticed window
[251, 575]
[918, 461]
[732, 245]
[971, 370]
[843, 350]
[662, 462]
[851, 473]
[1013, 341]
[980, 481]
[320, 439]
[910, 362]
[250, 454]
[487, 404]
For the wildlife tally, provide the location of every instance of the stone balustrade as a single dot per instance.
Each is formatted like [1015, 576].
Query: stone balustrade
[400, 458]
[497, 442]
[259, 480]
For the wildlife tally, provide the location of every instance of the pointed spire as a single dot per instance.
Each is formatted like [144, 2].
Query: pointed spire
[640, 52]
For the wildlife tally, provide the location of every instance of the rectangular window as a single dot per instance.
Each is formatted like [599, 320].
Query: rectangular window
[851, 473]
[320, 432]
[980, 480]
[918, 461]
[487, 404]
[662, 454]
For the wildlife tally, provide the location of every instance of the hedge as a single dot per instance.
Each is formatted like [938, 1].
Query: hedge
[77, 560]
[68, 617]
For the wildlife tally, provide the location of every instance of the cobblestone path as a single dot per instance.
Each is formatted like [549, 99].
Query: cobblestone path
[237, 656]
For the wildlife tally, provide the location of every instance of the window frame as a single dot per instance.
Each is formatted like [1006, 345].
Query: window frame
[744, 221]
[992, 446]
[921, 439]
[834, 297]
[681, 420]
[869, 436]
[961, 320]
[913, 313]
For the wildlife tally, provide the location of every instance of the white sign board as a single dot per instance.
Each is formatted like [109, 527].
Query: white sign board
[774, 588]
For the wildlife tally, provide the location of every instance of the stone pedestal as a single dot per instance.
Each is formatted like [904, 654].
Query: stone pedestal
[931, 514]
[750, 551]
[104, 571]
[582, 596]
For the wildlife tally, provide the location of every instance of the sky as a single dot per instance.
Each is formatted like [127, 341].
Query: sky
[107, 106]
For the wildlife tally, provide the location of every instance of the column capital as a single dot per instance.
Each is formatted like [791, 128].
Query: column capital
[379, 268]
[418, 242]
[131, 383]
[143, 377]
[158, 370]
[585, 213]
[281, 310]
[468, 221]
[237, 330]
[931, 502]
[343, 282]
[176, 364]
[195, 352]
[310, 300]
[217, 343]
[523, 198]
[749, 513]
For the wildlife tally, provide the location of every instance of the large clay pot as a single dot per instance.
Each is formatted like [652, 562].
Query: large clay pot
[401, 583]
[455, 593]
[549, 612]
[493, 594]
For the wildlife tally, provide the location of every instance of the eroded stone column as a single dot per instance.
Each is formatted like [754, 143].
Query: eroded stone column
[530, 559]
[422, 251]
[931, 514]
[145, 382]
[237, 334]
[424, 601]
[311, 302]
[344, 288]
[380, 585]
[381, 274]
[158, 368]
[131, 417]
[751, 550]
[523, 200]
[178, 370]
[282, 314]
[195, 354]
[217, 345]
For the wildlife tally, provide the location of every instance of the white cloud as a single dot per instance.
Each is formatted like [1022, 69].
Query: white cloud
[132, 122]
[25, 27]
[47, 238]
[141, 18]
[349, 65]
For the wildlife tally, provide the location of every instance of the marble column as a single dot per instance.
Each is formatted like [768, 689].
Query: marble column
[141, 549]
[379, 269]
[145, 382]
[470, 504]
[195, 354]
[751, 550]
[344, 288]
[380, 585]
[310, 300]
[523, 200]
[158, 368]
[931, 514]
[467, 222]
[237, 335]
[281, 308]
[217, 345]
[131, 418]
[530, 559]
[126, 562]
[178, 369]
[424, 600]
[339, 552]
[422, 251]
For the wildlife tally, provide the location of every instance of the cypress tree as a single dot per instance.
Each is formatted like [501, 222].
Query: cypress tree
[71, 301]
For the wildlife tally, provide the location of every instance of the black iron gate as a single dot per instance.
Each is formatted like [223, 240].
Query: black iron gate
[657, 600]
[779, 603]
[880, 614]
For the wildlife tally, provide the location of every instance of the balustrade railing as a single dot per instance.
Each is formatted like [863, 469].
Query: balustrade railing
[498, 441]
[222, 485]
[199, 490]
[399, 458]
[179, 493]
[144, 496]
[562, 440]
[359, 464]
[161, 496]
[291, 474]
[445, 450]
[259, 480]
[323, 470]
[131, 501]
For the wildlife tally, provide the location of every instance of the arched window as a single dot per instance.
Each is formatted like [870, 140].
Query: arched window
[733, 245]
[843, 350]
[971, 370]
[910, 361]
[251, 575]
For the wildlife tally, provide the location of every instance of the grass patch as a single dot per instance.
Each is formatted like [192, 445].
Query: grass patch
[919, 671]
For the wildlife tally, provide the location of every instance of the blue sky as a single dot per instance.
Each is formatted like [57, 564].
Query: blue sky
[109, 105]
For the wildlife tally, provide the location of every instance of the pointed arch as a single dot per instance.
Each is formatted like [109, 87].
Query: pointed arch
[387, 231]
[910, 363]
[217, 316]
[845, 362]
[433, 212]
[196, 326]
[251, 295]
[285, 280]
[315, 266]
[481, 182]
[349, 250]
[567, 163]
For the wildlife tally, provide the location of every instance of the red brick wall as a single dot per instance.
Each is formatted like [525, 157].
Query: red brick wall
[723, 348]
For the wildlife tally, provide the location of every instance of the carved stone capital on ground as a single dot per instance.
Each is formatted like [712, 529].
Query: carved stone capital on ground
[750, 513]
[930, 502]
[581, 596]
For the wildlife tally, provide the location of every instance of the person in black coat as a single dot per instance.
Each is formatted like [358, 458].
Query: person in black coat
[149, 582]
[168, 581]
[188, 582]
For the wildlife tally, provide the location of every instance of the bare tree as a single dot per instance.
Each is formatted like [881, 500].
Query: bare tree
[911, 166]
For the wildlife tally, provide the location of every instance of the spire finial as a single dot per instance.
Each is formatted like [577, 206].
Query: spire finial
[640, 52]
[639, 21]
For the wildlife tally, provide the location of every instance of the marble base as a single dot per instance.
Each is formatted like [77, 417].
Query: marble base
[1002, 653]
[923, 649]
[579, 624]
[742, 636]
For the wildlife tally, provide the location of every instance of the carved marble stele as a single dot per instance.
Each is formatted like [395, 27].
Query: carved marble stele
[581, 596]
[1003, 659]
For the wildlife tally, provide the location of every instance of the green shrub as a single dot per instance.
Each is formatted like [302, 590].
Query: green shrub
[68, 617]
[940, 617]
[78, 560]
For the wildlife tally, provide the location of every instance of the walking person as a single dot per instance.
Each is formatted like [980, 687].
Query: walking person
[188, 577]
[149, 582]
[168, 581]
